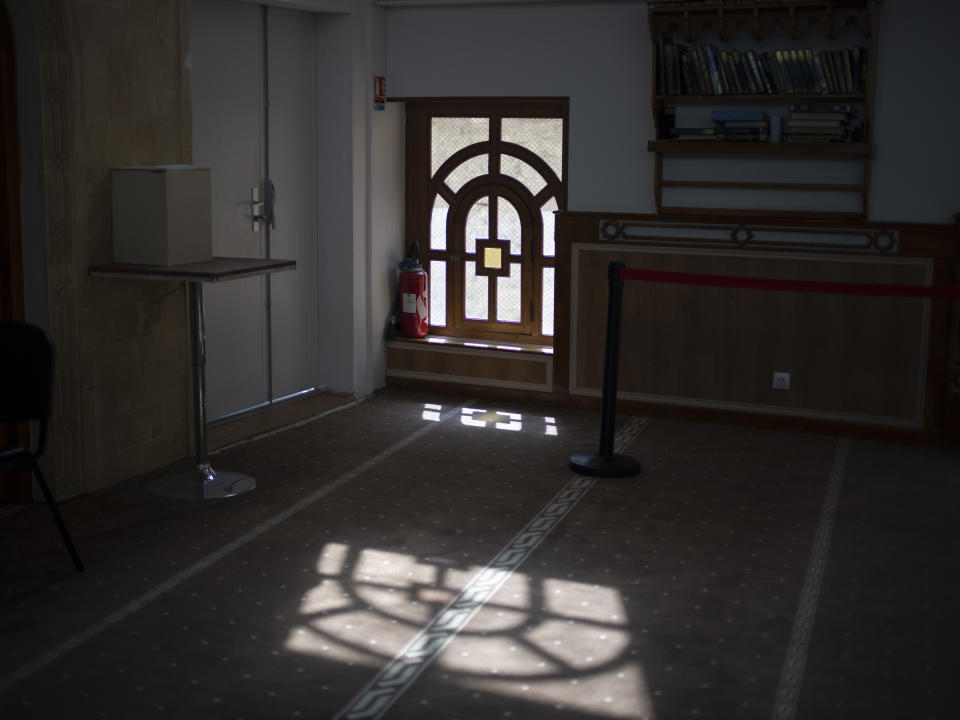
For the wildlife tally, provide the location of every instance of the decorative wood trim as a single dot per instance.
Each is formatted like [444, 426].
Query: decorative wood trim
[693, 18]
[751, 236]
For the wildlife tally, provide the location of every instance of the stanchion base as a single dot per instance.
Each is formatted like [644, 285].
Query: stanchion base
[596, 465]
[203, 483]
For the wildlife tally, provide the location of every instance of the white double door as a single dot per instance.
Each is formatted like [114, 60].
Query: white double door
[254, 97]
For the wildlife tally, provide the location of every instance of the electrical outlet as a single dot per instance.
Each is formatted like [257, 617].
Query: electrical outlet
[781, 381]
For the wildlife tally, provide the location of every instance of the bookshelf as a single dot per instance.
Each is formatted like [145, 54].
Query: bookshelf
[762, 108]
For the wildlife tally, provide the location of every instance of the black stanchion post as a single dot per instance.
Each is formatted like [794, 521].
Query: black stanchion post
[606, 463]
[611, 361]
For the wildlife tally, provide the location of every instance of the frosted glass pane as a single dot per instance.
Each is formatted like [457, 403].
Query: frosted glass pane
[438, 293]
[438, 224]
[549, 227]
[522, 171]
[448, 135]
[478, 224]
[508, 225]
[509, 296]
[475, 290]
[544, 136]
[546, 317]
[467, 171]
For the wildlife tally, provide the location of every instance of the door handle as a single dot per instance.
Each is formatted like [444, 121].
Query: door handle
[270, 203]
[263, 210]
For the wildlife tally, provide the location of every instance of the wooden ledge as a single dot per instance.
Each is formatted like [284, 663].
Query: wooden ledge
[493, 346]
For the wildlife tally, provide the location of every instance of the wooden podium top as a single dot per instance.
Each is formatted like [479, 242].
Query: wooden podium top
[215, 270]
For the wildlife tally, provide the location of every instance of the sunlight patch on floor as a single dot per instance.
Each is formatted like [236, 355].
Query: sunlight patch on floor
[497, 419]
[554, 641]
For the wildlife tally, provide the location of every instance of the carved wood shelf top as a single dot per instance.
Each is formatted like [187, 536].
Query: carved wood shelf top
[760, 18]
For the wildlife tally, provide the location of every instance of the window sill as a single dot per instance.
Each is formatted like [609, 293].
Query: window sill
[471, 344]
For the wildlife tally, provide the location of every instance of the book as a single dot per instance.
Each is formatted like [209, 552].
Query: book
[790, 63]
[727, 59]
[666, 121]
[728, 87]
[673, 75]
[781, 70]
[810, 68]
[820, 116]
[755, 137]
[686, 72]
[743, 124]
[738, 115]
[769, 70]
[836, 62]
[784, 71]
[775, 128]
[806, 84]
[693, 133]
[847, 71]
[737, 132]
[822, 107]
[820, 71]
[740, 60]
[810, 138]
[712, 70]
[661, 67]
[824, 59]
[755, 71]
[703, 75]
[814, 124]
[859, 68]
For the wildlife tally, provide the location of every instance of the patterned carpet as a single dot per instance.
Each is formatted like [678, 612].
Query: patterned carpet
[415, 556]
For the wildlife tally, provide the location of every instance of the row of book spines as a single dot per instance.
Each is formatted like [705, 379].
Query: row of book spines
[703, 70]
[789, 135]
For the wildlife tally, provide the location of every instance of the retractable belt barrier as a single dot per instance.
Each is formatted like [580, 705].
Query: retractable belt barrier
[607, 464]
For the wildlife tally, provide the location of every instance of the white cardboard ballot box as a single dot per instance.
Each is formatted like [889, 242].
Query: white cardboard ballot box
[161, 215]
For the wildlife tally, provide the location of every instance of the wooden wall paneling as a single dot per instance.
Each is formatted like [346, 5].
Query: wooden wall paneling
[462, 365]
[11, 252]
[854, 360]
[15, 487]
[682, 342]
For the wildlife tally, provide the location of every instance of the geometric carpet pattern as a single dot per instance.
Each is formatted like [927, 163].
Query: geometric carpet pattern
[422, 556]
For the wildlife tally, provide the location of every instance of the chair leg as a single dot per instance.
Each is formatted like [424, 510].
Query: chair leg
[56, 516]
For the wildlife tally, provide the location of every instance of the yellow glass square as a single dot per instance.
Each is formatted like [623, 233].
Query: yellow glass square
[492, 258]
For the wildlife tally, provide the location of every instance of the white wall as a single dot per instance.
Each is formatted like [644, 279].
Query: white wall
[916, 111]
[386, 205]
[342, 201]
[599, 54]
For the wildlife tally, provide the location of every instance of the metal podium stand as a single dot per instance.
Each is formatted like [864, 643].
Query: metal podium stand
[201, 482]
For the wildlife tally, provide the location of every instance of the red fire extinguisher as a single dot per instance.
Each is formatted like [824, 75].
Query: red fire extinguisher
[414, 308]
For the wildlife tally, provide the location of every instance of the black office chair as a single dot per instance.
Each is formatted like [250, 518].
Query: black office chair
[26, 393]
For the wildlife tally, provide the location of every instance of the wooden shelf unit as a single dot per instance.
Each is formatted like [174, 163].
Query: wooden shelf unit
[827, 17]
